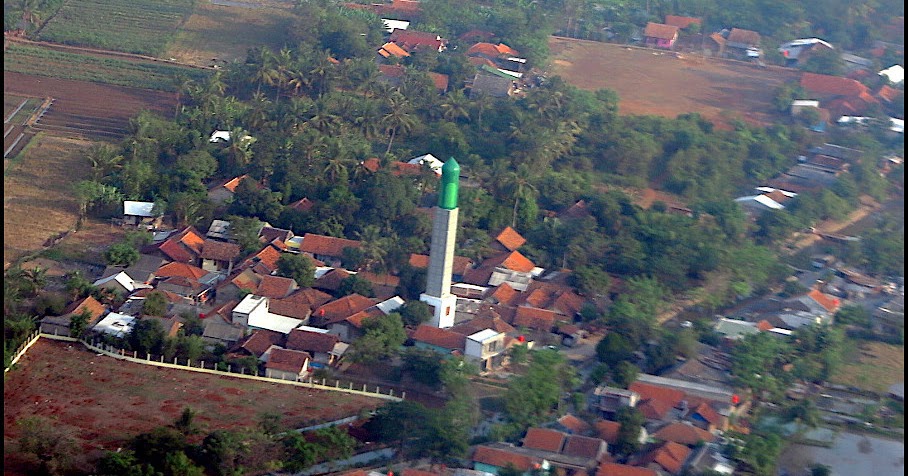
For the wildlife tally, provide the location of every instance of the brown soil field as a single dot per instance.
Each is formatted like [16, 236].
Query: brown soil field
[103, 401]
[224, 32]
[38, 201]
[87, 109]
[655, 82]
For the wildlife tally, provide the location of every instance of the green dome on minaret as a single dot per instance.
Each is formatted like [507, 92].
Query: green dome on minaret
[450, 181]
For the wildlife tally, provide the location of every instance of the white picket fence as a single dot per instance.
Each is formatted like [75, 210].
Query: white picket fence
[133, 356]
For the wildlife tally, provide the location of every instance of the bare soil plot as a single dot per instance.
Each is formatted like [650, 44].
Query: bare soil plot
[104, 401]
[873, 366]
[654, 82]
[226, 30]
[87, 109]
[38, 201]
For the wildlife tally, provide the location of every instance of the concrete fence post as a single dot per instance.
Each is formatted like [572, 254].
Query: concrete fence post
[174, 361]
[162, 358]
[229, 369]
[202, 364]
[337, 383]
[323, 382]
[148, 357]
[377, 389]
[403, 395]
[391, 392]
[135, 354]
[364, 387]
[188, 363]
[351, 385]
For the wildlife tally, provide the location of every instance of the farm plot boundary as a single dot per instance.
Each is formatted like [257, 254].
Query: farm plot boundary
[120, 25]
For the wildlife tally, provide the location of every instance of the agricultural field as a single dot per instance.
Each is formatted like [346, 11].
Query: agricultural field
[103, 401]
[16, 111]
[651, 82]
[120, 25]
[37, 193]
[872, 366]
[225, 32]
[146, 74]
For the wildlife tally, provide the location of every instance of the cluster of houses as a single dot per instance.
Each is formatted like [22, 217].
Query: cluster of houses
[252, 311]
[498, 66]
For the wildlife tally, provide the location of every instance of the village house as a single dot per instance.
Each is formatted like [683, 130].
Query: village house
[286, 364]
[659, 35]
[324, 348]
[327, 249]
[222, 192]
[60, 325]
[141, 213]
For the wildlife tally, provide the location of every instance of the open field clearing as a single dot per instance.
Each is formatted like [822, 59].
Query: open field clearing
[652, 82]
[872, 366]
[103, 401]
[38, 201]
[120, 25]
[16, 112]
[85, 109]
[226, 32]
[145, 74]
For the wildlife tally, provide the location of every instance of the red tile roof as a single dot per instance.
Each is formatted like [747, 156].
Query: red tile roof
[829, 303]
[833, 85]
[360, 317]
[480, 323]
[260, 341]
[576, 425]
[275, 286]
[332, 279]
[95, 308]
[747, 37]
[391, 49]
[487, 49]
[510, 239]
[681, 22]
[460, 266]
[615, 469]
[300, 303]
[608, 430]
[517, 262]
[267, 256]
[343, 308]
[411, 39]
[501, 458]
[583, 446]
[440, 80]
[504, 294]
[269, 233]
[219, 251]
[180, 269]
[419, 472]
[439, 337]
[309, 341]
[326, 245]
[532, 318]
[660, 31]
[476, 35]
[481, 60]
[288, 360]
[303, 205]
[669, 455]
[233, 183]
[708, 414]
[544, 439]
[656, 401]
[684, 434]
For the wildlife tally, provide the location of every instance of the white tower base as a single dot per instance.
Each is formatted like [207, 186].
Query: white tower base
[445, 308]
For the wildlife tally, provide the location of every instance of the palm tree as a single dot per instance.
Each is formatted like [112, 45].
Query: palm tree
[520, 188]
[375, 247]
[258, 114]
[240, 148]
[264, 68]
[104, 160]
[30, 15]
[455, 106]
[398, 118]
[336, 166]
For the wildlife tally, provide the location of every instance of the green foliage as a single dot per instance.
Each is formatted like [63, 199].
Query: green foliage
[425, 366]
[155, 304]
[121, 254]
[147, 336]
[613, 348]
[41, 440]
[78, 323]
[415, 312]
[354, 284]
[297, 267]
[150, 28]
[625, 374]
[382, 338]
[246, 231]
[533, 396]
[851, 314]
[631, 421]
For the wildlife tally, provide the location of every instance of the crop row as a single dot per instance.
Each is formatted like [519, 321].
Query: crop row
[123, 25]
[45, 62]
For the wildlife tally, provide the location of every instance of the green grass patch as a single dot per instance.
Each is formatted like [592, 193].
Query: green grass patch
[871, 365]
[123, 25]
[59, 64]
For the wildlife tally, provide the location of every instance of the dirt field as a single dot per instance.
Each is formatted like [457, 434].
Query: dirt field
[873, 366]
[82, 108]
[104, 401]
[226, 31]
[38, 201]
[658, 83]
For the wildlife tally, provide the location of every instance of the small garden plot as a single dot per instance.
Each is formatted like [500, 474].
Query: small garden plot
[121, 25]
[82, 67]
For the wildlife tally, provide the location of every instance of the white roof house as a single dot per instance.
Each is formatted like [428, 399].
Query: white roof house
[760, 202]
[123, 280]
[115, 324]
[429, 160]
[139, 209]
[391, 25]
[253, 312]
[895, 74]
[390, 305]
[224, 136]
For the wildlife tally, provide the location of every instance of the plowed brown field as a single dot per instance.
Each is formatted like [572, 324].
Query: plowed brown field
[657, 82]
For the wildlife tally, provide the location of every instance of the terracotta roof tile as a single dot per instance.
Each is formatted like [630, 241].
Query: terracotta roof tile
[460, 266]
[544, 439]
[260, 341]
[95, 308]
[332, 279]
[419, 472]
[747, 37]
[660, 31]
[583, 446]
[504, 294]
[656, 401]
[309, 341]
[267, 256]
[501, 458]
[288, 360]
[829, 303]
[300, 304]
[826, 84]
[411, 39]
[681, 22]
[180, 269]
[480, 323]
[440, 80]
[303, 205]
[684, 434]
[708, 414]
[275, 286]
[669, 455]
[532, 318]
[487, 49]
[219, 251]
[615, 469]
[391, 49]
[481, 60]
[357, 319]
[343, 308]
[510, 239]
[326, 245]
[608, 430]
[379, 279]
[439, 337]
[764, 325]
[517, 262]
[574, 424]
[269, 233]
